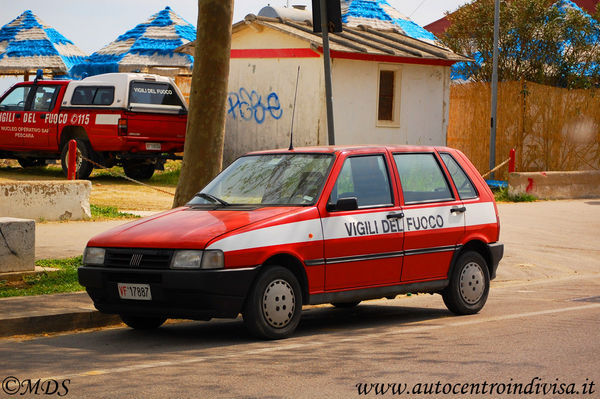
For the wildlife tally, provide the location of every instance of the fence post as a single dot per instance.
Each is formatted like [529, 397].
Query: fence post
[72, 160]
[511, 163]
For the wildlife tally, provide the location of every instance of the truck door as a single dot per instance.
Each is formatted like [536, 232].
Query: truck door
[363, 247]
[39, 124]
[12, 109]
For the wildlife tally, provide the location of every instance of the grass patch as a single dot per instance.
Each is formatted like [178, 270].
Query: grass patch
[51, 282]
[109, 212]
[502, 195]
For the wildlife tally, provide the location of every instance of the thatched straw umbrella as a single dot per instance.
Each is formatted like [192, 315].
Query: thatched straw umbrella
[149, 47]
[28, 44]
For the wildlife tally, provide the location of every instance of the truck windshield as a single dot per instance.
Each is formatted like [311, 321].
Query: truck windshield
[270, 179]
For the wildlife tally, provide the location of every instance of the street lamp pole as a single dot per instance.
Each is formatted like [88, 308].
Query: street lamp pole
[494, 122]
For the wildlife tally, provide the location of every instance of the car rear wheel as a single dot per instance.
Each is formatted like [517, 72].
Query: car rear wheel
[138, 170]
[274, 304]
[469, 285]
[142, 322]
[84, 168]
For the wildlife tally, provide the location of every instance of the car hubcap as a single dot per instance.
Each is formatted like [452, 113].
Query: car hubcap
[472, 283]
[278, 303]
[78, 159]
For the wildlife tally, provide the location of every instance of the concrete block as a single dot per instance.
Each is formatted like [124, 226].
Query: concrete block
[47, 200]
[556, 185]
[17, 245]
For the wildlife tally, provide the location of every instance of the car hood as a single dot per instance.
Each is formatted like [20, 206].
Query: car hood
[183, 228]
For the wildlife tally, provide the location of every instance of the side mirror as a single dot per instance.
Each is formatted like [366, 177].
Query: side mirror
[344, 204]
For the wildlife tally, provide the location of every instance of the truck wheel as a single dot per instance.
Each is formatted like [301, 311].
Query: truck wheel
[138, 170]
[83, 167]
[274, 305]
[469, 285]
[31, 162]
[345, 305]
[143, 323]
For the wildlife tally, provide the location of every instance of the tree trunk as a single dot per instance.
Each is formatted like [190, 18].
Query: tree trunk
[203, 151]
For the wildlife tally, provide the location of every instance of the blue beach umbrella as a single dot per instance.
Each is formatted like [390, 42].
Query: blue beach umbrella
[28, 44]
[379, 14]
[149, 45]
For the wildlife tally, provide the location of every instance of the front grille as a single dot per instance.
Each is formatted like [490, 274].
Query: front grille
[138, 258]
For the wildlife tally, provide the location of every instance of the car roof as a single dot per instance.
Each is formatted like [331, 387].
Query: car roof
[353, 149]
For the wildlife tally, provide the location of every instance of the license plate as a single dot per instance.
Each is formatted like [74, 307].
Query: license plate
[153, 146]
[134, 291]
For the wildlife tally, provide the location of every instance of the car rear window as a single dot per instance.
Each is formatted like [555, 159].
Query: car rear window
[465, 187]
[153, 93]
[422, 178]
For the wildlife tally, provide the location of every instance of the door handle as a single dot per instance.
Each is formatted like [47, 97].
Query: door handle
[18, 116]
[460, 209]
[43, 116]
[399, 215]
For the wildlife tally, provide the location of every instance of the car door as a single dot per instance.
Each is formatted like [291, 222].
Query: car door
[363, 247]
[12, 109]
[434, 219]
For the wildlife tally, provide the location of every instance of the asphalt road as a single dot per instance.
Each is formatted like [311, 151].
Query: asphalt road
[539, 329]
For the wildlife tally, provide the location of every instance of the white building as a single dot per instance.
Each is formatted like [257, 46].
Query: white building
[388, 88]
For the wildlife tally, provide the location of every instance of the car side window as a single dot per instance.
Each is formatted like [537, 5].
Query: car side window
[367, 179]
[15, 100]
[44, 98]
[422, 178]
[466, 189]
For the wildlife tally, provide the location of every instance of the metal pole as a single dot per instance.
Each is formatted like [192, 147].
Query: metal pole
[494, 88]
[327, 68]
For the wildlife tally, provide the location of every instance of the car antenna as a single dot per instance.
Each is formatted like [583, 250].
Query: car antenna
[294, 111]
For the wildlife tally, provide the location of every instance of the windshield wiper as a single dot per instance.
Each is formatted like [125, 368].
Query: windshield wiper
[213, 198]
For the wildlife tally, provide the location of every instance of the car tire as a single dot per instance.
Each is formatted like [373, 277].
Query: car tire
[274, 305]
[84, 168]
[345, 305]
[138, 170]
[143, 322]
[31, 162]
[469, 284]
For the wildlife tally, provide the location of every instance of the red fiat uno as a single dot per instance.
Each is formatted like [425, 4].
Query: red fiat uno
[280, 229]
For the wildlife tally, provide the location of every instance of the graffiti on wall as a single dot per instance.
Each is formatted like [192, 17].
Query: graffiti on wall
[249, 105]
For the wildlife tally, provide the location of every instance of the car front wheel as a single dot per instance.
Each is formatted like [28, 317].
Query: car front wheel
[469, 284]
[274, 304]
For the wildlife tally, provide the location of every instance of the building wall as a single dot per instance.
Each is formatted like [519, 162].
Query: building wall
[423, 113]
[261, 97]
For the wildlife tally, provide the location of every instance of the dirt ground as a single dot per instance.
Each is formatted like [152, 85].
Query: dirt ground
[106, 190]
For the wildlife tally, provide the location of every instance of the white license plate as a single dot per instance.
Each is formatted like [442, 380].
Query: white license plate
[134, 291]
[153, 147]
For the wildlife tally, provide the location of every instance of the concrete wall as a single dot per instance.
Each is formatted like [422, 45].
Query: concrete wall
[17, 245]
[423, 108]
[48, 200]
[556, 185]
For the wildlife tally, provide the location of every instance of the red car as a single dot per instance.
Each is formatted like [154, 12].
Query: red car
[280, 229]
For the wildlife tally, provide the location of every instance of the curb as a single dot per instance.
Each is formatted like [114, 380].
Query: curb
[56, 323]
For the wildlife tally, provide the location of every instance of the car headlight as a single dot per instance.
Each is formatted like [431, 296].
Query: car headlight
[94, 256]
[191, 259]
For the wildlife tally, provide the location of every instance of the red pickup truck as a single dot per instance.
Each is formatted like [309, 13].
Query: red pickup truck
[134, 120]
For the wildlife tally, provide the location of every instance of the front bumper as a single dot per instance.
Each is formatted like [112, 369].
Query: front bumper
[187, 294]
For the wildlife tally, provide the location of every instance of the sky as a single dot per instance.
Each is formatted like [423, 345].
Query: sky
[92, 24]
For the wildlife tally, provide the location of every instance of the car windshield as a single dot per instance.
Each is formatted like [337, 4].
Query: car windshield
[270, 179]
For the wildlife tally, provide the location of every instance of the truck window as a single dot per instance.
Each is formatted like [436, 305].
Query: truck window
[93, 95]
[422, 178]
[153, 93]
[43, 99]
[15, 100]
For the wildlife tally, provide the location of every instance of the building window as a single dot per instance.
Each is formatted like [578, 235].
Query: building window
[388, 104]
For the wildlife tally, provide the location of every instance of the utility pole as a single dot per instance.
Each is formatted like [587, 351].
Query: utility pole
[327, 69]
[494, 122]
